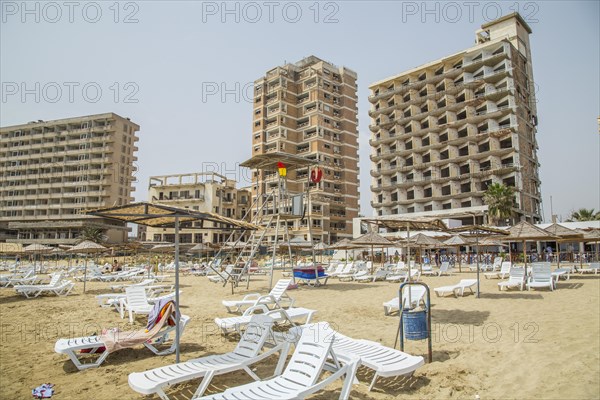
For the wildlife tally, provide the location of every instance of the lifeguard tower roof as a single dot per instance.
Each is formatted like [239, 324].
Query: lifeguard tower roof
[268, 162]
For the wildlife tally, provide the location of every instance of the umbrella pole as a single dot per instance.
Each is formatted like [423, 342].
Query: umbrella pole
[459, 260]
[477, 255]
[525, 256]
[177, 315]
[84, 273]
[408, 256]
[557, 254]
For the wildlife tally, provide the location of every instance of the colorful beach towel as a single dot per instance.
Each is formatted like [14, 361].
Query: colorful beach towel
[44, 391]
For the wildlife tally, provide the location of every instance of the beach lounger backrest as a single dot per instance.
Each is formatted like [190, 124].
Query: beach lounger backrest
[541, 272]
[310, 355]
[416, 292]
[55, 279]
[516, 275]
[444, 266]
[505, 268]
[280, 288]
[255, 335]
[136, 296]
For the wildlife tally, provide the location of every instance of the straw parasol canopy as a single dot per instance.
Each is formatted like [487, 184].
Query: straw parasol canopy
[564, 234]
[201, 247]
[372, 239]
[298, 243]
[492, 241]
[457, 241]
[37, 248]
[86, 247]
[524, 232]
[343, 244]
[421, 240]
[163, 248]
[320, 246]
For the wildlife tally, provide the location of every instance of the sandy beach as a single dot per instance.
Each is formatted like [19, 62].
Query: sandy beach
[509, 345]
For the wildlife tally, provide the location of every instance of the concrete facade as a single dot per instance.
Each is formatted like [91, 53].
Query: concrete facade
[444, 131]
[204, 192]
[54, 171]
[309, 109]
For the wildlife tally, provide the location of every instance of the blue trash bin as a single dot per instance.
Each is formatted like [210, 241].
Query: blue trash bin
[415, 324]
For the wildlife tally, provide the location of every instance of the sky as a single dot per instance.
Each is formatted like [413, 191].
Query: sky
[182, 70]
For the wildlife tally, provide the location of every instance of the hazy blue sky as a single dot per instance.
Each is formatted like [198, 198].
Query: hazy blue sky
[159, 63]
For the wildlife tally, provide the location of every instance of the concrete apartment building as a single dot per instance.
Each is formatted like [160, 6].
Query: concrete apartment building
[444, 131]
[53, 171]
[204, 192]
[309, 109]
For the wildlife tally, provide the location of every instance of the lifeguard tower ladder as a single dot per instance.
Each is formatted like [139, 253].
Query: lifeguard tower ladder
[270, 211]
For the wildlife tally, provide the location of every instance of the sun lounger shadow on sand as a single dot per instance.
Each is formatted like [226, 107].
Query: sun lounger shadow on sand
[459, 317]
[512, 295]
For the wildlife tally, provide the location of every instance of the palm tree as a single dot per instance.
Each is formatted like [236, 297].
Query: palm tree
[499, 199]
[584, 214]
[93, 234]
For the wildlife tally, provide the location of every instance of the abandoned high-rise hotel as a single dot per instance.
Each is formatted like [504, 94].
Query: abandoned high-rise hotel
[444, 131]
[309, 109]
[54, 171]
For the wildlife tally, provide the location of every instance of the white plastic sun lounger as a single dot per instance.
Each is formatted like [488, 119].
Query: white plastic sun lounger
[417, 296]
[503, 273]
[541, 276]
[144, 282]
[385, 361]
[246, 353]
[72, 347]
[136, 302]
[276, 296]
[350, 277]
[415, 275]
[62, 288]
[456, 289]
[231, 324]
[300, 378]
[593, 268]
[516, 278]
[378, 275]
[27, 279]
[344, 270]
[56, 286]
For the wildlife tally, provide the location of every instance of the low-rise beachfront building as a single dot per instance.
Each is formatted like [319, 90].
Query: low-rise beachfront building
[201, 191]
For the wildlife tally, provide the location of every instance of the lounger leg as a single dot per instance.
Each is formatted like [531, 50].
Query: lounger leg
[282, 358]
[373, 382]
[204, 384]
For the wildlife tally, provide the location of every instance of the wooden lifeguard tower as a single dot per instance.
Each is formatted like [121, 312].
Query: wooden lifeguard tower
[275, 203]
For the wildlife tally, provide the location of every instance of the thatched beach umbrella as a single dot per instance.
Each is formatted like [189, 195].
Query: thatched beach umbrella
[86, 247]
[38, 249]
[478, 231]
[421, 240]
[457, 241]
[320, 247]
[202, 248]
[400, 222]
[526, 232]
[564, 235]
[372, 239]
[344, 244]
[590, 236]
